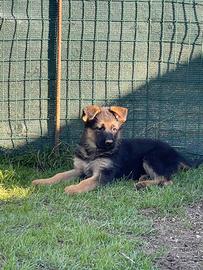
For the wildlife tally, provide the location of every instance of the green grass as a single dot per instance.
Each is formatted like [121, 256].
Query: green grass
[43, 228]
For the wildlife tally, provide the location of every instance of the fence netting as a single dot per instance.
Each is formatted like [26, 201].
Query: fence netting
[145, 55]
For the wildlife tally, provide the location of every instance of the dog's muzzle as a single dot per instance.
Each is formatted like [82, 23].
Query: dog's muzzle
[109, 142]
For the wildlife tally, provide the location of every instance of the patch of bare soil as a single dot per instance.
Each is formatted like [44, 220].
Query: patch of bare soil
[181, 238]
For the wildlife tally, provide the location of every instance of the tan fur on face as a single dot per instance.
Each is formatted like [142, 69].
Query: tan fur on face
[106, 119]
[107, 116]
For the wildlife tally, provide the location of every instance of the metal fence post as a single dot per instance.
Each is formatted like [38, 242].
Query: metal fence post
[58, 75]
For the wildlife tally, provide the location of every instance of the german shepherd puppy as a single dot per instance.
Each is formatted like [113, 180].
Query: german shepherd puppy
[103, 156]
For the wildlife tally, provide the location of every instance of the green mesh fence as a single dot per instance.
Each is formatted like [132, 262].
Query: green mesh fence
[144, 54]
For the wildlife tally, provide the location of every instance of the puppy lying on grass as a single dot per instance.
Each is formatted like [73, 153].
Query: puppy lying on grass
[102, 155]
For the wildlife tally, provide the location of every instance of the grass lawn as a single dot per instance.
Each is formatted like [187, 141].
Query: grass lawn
[43, 228]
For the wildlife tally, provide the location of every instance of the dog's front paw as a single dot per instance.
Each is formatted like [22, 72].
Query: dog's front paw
[37, 182]
[140, 185]
[71, 190]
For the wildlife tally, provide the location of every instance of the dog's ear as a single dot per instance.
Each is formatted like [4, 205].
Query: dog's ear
[120, 113]
[90, 112]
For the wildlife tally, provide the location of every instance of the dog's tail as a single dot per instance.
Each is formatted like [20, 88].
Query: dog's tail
[186, 164]
[197, 163]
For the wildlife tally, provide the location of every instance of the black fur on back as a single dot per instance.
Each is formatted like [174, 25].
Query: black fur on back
[129, 155]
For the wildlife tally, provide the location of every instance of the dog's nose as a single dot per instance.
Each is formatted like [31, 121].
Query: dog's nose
[109, 142]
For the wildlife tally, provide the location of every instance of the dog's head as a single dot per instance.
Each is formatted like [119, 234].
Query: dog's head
[103, 124]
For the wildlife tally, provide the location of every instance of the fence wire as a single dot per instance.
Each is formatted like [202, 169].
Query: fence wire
[144, 54]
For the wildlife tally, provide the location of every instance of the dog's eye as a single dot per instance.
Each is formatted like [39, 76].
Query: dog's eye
[114, 129]
[100, 128]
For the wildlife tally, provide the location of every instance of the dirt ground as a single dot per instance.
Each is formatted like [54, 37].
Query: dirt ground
[182, 240]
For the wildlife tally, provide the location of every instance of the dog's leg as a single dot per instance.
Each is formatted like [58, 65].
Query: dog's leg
[183, 166]
[144, 177]
[84, 186]
[161, 181]
[57, 178]
[156, 179]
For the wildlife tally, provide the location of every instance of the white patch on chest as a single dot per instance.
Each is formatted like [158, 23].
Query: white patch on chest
[93, 167]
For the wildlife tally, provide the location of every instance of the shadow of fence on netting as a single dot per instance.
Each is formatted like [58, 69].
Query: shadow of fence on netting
[169, 107]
